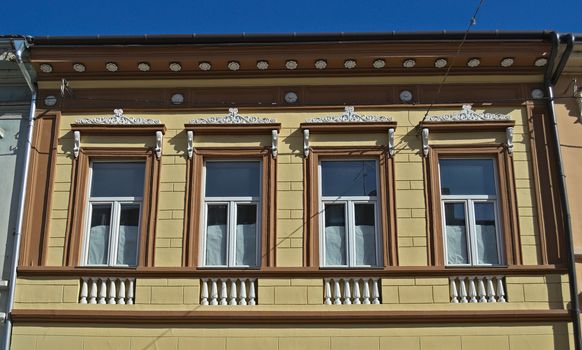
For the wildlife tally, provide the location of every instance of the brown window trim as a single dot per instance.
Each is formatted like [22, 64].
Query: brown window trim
[507, 198]
[193, 224]
[78, 201]
[386, 200]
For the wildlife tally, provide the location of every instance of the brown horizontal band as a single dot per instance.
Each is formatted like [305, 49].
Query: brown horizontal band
[282, 272]
[285, 317]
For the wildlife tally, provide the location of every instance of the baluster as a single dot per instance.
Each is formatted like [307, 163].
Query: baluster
[204, 293]
[482, 293]
[490, 290]
[93, 292]
[472, 290]
[130, 291]
[84, 291]
[223, 292]
[243, 293]
[375, 292]
[336, 292]
[366, 292]
[357, 299]
[252, 297]
[453, 291]
[213, 293]
[347, 292]
[233, 293]
[121, 292]
[112, 291]
[327, 293]
[500, 290]
[463, 290]
[102, 292]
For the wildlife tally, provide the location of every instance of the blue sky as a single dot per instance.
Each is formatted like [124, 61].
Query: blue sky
[106, 17]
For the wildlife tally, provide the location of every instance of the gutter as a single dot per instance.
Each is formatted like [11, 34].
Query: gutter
[549, 84]
[245, 38]
[20, 45]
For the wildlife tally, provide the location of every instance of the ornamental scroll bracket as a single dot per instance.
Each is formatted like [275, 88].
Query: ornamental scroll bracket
[274, 143]
[190, 146]
[509, 143]
[158, 148]
[425, 146]
[391, 148]
[306, 143]
[76, 143]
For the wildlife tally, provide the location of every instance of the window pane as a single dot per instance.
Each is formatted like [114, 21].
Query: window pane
[233, 179]
[246, 234]
[467, 176]
[216, 234]
[335, 234]
[486, 236]
[128, 233]
[456, 233]
[365, 234]
[117, 179]
[99, 234]
[348, 178]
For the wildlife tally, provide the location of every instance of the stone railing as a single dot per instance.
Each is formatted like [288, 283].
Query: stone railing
[352, 290]
[477, 289]
[228, 291]
[105, 290]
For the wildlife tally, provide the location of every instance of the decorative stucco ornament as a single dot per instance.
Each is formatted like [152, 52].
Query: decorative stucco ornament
[440, 63]
[467, 114]
[379, 63]
[350, 64]
[291, 64]
[117, 119]
[540, 62]
[409, 63]
[233, 65]
[79, 67]
[205, 66]
[233, 118]
[473, 62]
[175, 66]
[46, 68]
[143, 66]
[350, 116]
[320, 64]
[112, 66]
[262, 65]
[507, 62]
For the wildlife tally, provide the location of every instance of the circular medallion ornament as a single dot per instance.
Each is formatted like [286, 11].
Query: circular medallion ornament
[537, 93]
[350, 64]
[473, 62]
[291, 97]
[507, 62]
[262, 65]
[177, 99]
[50, 101]
[205, 66]
[405, 96]
[291, 64]
[175, 66]
[143, 66]
[440, 63]
[112, 66]
[46, 68]
[409, 63]
[320, 64]
[379, 63]
[541, 62]
[79, 67]
[233, 65]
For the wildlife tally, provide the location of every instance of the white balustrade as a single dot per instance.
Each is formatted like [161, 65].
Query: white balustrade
[477, 289]
[349, 290]
[107, 290]
[228, 291]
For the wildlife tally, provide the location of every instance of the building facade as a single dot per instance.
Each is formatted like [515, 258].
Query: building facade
[378, 191]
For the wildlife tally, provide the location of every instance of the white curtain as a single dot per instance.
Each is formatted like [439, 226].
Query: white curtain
[335, 245]
[216, 245]
[98, 245]
[127, 245]
[486, 244]
[456, 245]
[365, 245]
[246, 245]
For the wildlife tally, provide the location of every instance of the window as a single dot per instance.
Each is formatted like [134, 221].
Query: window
[469, 204]
[114, 209]
[349, 207]
[232, 207]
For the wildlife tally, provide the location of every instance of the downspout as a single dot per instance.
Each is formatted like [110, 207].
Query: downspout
[549, 84]
[19, 46]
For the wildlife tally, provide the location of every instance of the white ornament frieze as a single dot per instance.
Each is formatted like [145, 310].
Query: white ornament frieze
[117, 119]
[467, 114]
[233, 118]
[350, 116]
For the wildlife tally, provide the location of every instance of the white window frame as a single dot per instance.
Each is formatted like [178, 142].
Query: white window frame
[231, 219]
[349, 203]
[470, 223]
[115, 203]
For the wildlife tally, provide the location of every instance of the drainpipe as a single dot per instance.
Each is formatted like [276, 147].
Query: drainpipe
[20, 46]
[549, 84]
